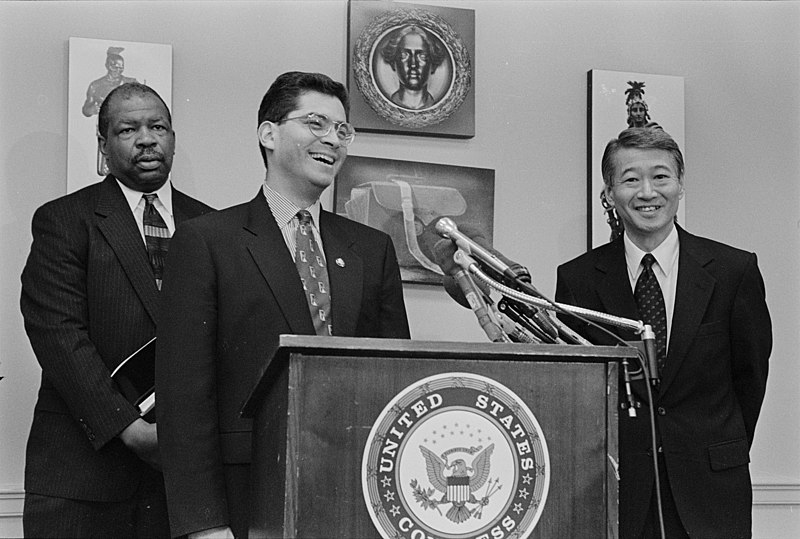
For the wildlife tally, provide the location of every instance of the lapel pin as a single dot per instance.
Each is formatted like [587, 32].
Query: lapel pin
[340, 262]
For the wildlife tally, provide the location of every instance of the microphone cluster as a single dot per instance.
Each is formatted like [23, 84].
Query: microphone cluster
[523, 313]
[509, 320]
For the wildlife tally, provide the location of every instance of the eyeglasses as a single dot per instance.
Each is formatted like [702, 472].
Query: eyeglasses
[320, 125]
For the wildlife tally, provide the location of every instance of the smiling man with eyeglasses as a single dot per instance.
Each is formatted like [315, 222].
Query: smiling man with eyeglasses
[279, 264]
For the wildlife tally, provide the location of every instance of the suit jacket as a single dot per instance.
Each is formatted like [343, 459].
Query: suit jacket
[89, 300]
[231, 288]
[712, 386]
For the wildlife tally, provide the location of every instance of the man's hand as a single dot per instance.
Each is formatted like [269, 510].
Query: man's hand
[223, 532]
[141, 438]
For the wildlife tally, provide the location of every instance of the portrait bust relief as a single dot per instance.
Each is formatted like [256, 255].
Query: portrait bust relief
[411, 67]
[421, 67]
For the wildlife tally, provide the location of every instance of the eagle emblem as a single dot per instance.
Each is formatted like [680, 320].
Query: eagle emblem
[457, 481]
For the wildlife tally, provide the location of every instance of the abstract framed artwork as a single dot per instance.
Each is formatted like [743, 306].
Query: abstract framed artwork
[405, 199]
[411, 69]
[618, 100]
[123, 61]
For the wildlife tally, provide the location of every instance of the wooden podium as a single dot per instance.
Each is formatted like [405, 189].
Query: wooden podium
[315, 405]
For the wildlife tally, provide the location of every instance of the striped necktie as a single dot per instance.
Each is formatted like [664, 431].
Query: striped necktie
[650, 302]
[313, 274]
[156, 236]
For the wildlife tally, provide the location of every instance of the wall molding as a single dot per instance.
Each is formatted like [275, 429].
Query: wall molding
[776, 494]
[11, 501]
[12, 497]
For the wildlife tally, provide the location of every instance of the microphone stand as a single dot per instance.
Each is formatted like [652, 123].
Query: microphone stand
[645, 330]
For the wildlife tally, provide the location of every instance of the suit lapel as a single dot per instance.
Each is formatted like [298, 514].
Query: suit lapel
[178, 211]
[694, 289]
[346, 273]
[265, 243]
[119, 228]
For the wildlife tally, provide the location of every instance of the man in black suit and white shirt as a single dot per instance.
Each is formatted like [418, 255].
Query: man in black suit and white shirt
[89, 300]
[232, 287]
[718, 341]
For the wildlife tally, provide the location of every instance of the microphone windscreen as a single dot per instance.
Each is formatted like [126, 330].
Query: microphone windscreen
[476, 235]
[455, 292]
[443, 251]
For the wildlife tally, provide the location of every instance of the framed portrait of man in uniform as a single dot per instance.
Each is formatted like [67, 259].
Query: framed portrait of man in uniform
[410, 69]
[96, 67]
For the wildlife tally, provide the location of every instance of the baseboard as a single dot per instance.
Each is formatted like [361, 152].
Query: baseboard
[12, 499]
[776, 494]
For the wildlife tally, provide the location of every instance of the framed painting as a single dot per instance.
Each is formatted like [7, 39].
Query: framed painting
[405, 199]
[122, 61]
[618, 100]
[410, 69]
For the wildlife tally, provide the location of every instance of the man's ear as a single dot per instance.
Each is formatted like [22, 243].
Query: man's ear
[101, 144]
[266, 134]
[609, 195]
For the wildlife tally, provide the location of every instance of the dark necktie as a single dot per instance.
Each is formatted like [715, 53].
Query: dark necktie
[313, 274]
[156, 236]
[650, 302]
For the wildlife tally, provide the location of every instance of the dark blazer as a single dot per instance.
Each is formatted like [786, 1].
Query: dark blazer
[89, 300]
[231, 288]
[712, 386]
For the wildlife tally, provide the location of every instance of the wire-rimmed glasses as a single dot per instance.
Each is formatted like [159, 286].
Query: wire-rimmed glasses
[320, 125]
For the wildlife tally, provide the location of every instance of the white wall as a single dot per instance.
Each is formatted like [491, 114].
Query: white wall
[742, 72]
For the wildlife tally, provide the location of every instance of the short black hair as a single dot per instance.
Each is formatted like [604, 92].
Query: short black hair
[645, 138]
[125, 91]
[282, 96]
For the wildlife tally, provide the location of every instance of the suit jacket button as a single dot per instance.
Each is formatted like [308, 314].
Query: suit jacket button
[661, 411]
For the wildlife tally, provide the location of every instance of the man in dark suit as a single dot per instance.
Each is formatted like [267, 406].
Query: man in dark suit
[232, 287]
[718, 342]
[89, 300]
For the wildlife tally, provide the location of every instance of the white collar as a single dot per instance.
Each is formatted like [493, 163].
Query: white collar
[665, 254]
[134, 197]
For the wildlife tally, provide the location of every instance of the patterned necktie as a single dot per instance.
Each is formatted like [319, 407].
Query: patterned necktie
[156, 235]
[314, 275]
[650, 302]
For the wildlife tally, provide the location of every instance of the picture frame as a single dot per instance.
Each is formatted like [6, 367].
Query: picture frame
[428, 93]
[617, 100]
[405, 199]
[123, 61]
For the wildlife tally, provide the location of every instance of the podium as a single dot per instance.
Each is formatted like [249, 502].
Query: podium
[318, 406]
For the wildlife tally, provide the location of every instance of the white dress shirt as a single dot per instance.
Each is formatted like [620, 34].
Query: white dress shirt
[163, 205]
[665, 269]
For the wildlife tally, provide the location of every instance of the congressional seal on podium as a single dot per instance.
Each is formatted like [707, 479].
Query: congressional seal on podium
[455, 456]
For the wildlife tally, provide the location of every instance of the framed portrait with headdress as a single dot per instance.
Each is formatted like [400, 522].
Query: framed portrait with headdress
[410, 69]
[618, 100]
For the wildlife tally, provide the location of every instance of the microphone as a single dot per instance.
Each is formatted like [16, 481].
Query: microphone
[477, 302]
[462, 288]
[649, 340]
[514, 272]
[446, 228]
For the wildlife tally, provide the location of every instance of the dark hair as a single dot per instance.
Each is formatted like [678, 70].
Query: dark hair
[282, 96]
[645, 138]
[125, 91]
[390, 51]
